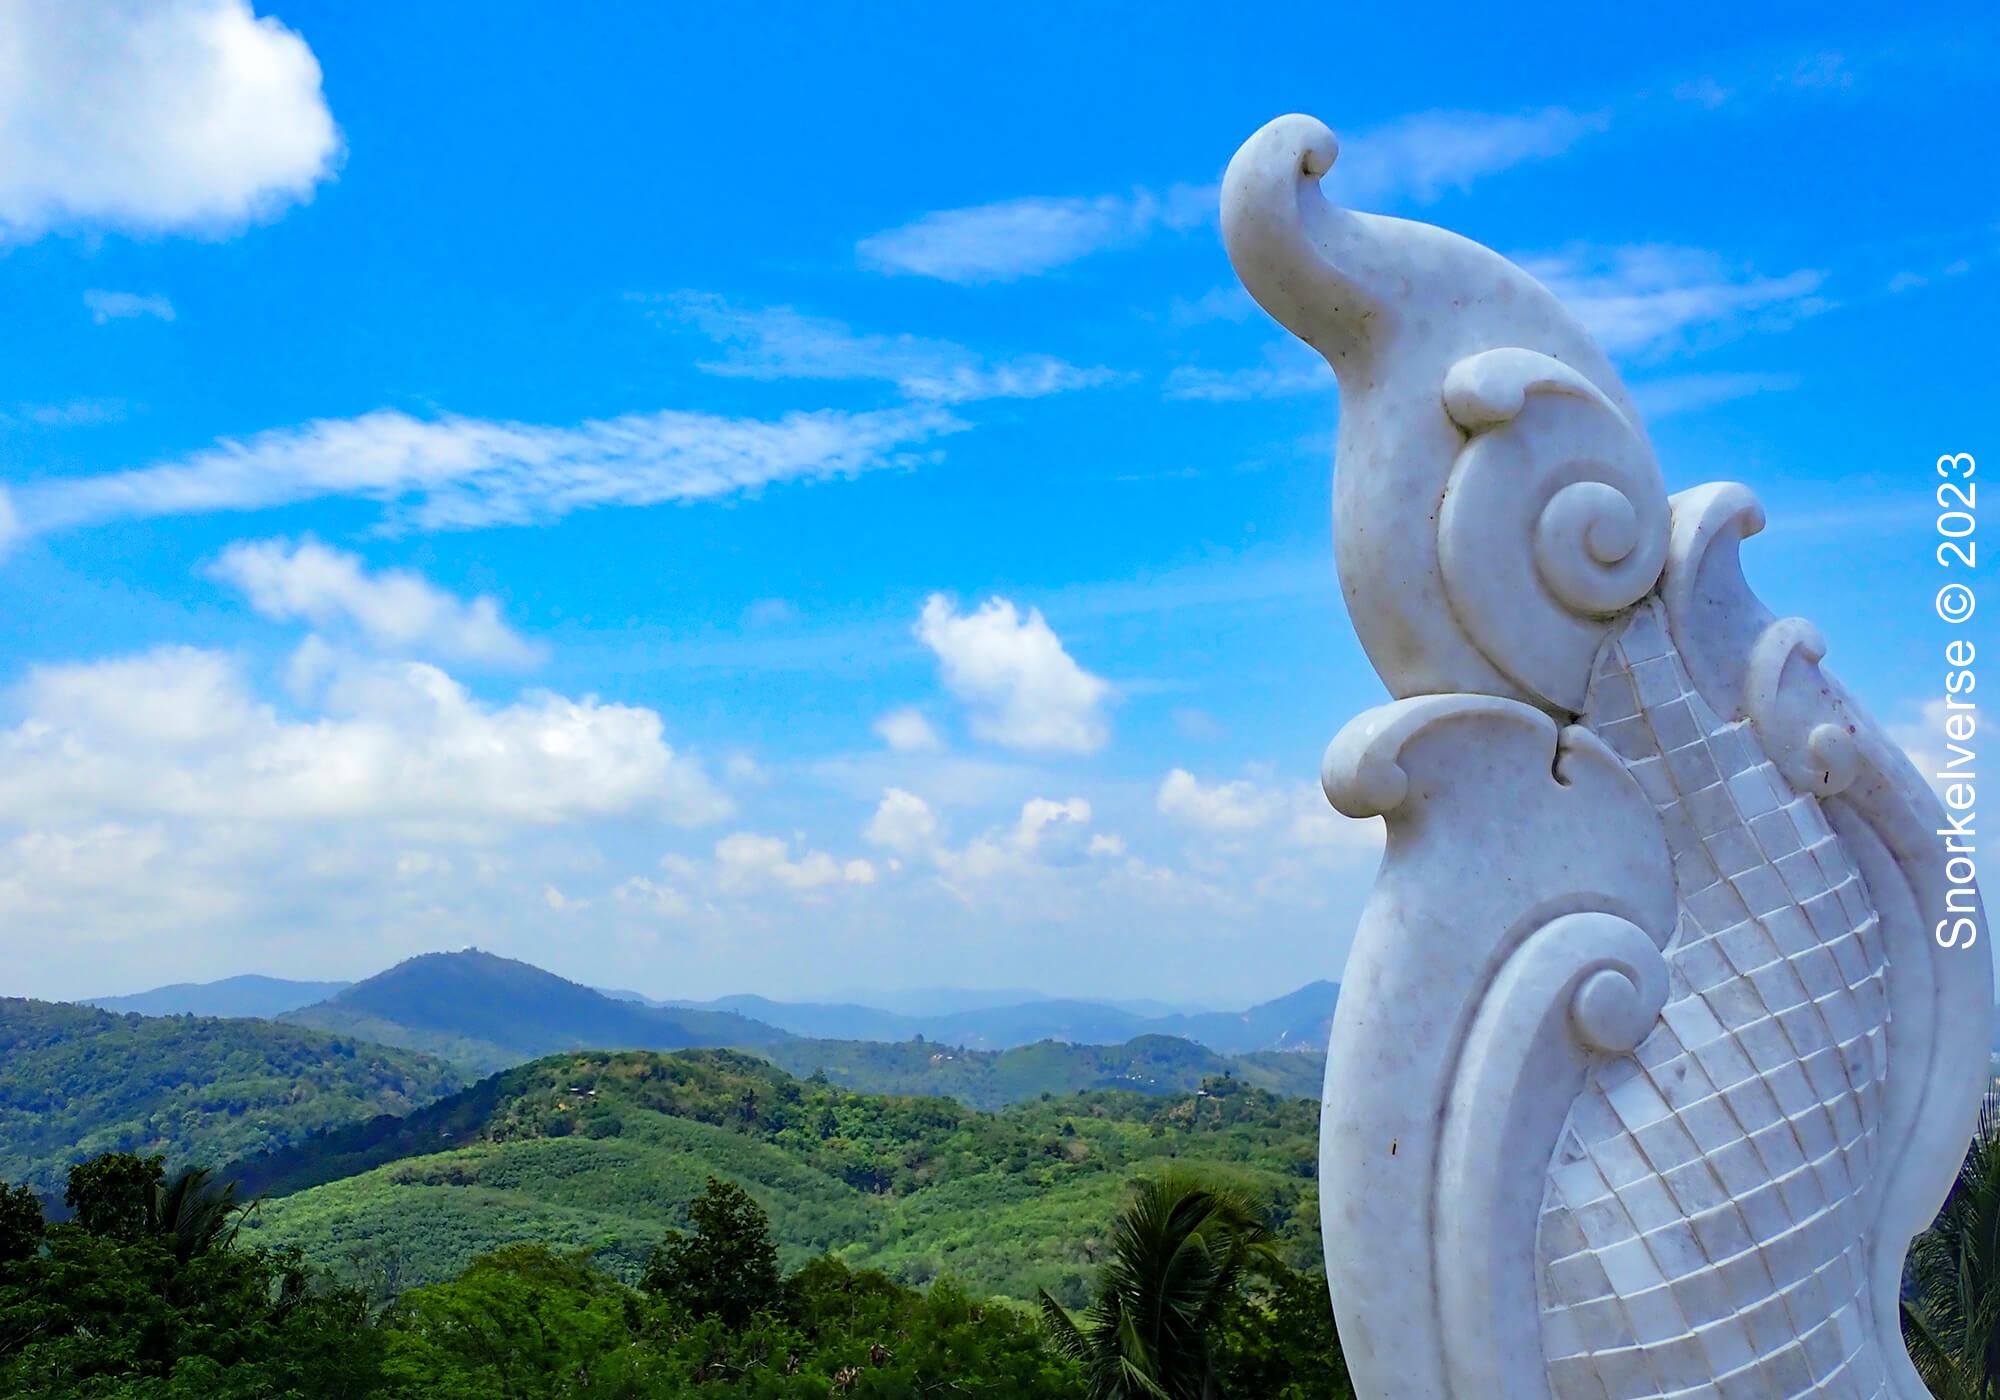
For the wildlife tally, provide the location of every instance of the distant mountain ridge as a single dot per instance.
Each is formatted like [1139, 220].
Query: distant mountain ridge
[485, 1012]
[248, 995]
[1300, 1020]
[488, 1012]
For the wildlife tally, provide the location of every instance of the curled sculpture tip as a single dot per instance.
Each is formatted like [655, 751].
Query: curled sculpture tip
[1284, 238]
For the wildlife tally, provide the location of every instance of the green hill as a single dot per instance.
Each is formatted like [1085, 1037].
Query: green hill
[487, 1012]
[601, 1151]
[1151, 1064]
[75, 1082]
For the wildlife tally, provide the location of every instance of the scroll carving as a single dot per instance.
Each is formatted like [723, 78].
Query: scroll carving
[1645, 1068]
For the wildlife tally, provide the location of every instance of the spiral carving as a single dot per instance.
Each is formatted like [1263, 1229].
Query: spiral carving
[1610, 1013]
[1555, 519]
[1591, 551]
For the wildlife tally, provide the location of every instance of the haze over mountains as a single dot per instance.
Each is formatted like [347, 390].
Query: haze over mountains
[487, 1012]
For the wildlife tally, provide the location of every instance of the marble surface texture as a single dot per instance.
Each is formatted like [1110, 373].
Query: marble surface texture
[1647, 1064]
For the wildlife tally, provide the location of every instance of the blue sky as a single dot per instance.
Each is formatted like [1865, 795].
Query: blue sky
[791, 498]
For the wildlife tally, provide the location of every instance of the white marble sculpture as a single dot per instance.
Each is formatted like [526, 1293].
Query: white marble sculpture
[1647, 1065]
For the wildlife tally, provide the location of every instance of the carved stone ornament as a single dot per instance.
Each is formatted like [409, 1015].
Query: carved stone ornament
[1647, 1065]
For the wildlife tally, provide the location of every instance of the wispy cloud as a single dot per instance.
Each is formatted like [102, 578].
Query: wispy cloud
[1419, 158]
[393, 609]
[1281, 379]
[1015, 238]
[1691, 393]
[73, 413]
[456, 473]
[125, 306]
[778, 342]
[1653, 300]
[1414, 159]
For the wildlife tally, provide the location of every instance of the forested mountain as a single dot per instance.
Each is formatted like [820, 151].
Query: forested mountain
[600, 1151]
[248, 995]
[75, 1081]
[487, 1012]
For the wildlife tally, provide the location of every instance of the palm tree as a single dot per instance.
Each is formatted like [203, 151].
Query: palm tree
[1951, 1308]
[193, 1213]
[1178, 1251]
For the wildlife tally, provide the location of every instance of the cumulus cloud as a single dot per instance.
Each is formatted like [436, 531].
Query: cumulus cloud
[1047, 835]
[908, 731]
[463, 473]
[904, 823]
[1295, 815]
[393, 609]
[1015, 238]
[154, 116]
[179, 733]
[1023, 689]
[105, 307]
[746, 860]
[1232, 806]
[778, 342]
[1652, 300]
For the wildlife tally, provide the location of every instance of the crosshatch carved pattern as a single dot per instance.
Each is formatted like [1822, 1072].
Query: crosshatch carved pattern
[1702, 1230]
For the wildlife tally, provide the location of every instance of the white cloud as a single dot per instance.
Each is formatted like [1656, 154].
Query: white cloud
[155, 115]
[178, 733]
[1017, 238]
[746, 860]
[1295, 814]
[1419, 158]
[464, 473]
[1653, 300]
[780, 343]
[1024, 690]
[904, 823]
[1048, 836]
[106, 306]
[908, 731]
[394, 609]
[1232, 806]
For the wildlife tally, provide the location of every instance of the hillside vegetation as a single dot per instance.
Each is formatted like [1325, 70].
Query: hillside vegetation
[1151, 1064]
[75, 1082]
[600, 1152]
